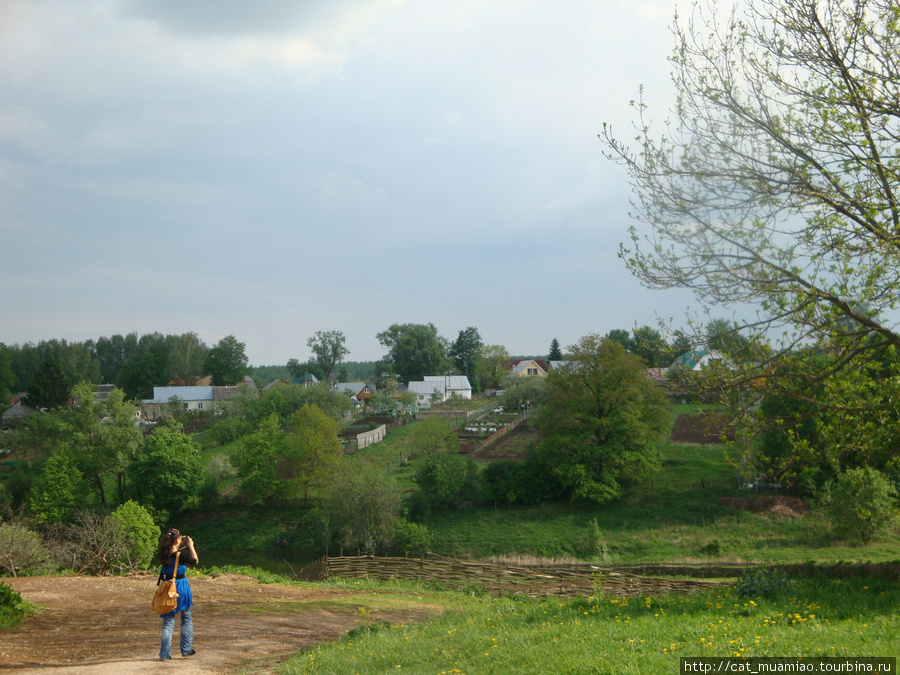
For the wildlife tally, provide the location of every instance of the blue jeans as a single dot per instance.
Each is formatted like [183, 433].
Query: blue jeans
[187, 634]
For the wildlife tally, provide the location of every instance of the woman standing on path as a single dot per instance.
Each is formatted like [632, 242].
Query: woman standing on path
[170, 543]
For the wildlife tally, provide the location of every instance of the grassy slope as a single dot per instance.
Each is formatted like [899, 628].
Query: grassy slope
[676, 518]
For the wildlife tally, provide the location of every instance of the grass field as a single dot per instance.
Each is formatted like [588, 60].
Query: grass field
[642, 635]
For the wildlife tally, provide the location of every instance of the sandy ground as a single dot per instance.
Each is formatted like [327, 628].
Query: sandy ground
[105, 625]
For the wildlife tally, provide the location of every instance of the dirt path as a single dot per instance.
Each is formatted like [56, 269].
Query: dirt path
[105, 625]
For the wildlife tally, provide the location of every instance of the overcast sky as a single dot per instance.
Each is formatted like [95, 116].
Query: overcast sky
[270, 169]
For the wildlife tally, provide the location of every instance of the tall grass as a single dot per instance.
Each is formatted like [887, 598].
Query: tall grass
[820, 617]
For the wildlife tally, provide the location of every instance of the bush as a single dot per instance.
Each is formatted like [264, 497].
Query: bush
[410, 538]
[520, 483]
[140, 531]
[20, 548]
[446, 479]
[762, 583]
[99, 544]
[229, 429]
[13, 608]
[860, 504]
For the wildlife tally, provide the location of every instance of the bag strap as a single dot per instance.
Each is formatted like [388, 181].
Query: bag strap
[174, 569]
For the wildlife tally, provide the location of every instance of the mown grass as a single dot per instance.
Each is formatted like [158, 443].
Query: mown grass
[820, 617]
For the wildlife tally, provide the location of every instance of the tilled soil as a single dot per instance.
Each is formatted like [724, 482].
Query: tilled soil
[105, 625]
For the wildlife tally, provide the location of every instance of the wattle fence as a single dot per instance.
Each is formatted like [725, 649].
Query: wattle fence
[538, 580]
[573, 579]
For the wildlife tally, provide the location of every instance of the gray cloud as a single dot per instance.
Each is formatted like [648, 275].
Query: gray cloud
[282, 168]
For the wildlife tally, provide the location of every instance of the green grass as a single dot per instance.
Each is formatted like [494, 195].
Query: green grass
[854, 617]
[676, 518]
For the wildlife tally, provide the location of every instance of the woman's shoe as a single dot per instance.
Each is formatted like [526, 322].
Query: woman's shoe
[190, 653]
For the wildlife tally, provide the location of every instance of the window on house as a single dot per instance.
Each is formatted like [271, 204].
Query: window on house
[532, 371]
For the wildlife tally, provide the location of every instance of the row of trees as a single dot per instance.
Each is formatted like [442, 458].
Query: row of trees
[136, 364]
[48, 370]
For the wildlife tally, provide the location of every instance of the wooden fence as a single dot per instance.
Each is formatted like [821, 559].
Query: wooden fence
[536, 580]
[572, 579]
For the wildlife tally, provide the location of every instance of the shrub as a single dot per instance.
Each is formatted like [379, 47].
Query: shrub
[20, 548]
[99, 544]
[763, 583]
[230, 429]
[410, 538]
[860, 504]
[13, 608]
[140, 531]
[446, 479]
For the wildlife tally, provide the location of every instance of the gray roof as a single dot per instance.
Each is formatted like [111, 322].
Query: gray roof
[165, 394]
[451, 382]
[352, 387]
[523, 366]
[427, 387]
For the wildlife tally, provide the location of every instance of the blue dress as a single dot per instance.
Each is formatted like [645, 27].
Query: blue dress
[185, 599]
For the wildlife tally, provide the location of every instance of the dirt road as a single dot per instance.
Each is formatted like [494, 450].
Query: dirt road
[105, 626]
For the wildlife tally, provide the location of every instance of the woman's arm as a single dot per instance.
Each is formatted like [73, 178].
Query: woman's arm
[190, 549]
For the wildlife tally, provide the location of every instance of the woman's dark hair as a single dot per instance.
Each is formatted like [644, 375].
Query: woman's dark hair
[167, 545]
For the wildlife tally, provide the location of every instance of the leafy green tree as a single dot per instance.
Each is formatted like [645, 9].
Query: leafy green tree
[328, 350]
[112, 353]
[215, 473]
[464, 353]
[167, 473]
[492, 365]
[775, 183]
[146, 367]
[313, 448]
[414, 350]
[119, 438]
[519, 483]
[363, 507]
[298, 370]
[60, 490]
[861, 503]
[603, 422]
[446, 479]
[141, 533]
[651, 346]
[50, 387]
[434, 435]
[187, 358]
[623, 337]
[725, 336]
[227, 362]
[257, 462]
[810, 432]
[525, 393]
[555, 351]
